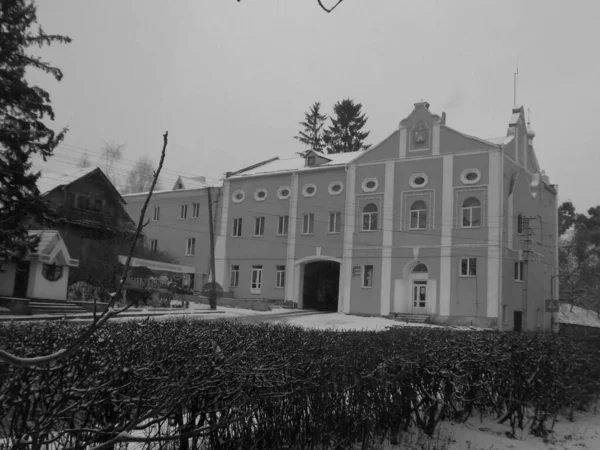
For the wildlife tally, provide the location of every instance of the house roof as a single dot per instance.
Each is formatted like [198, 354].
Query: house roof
[502, 140]
[281, 165]
[52, 249]
[47, 183]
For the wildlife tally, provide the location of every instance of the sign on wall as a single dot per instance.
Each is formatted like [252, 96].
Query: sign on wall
[552, 306]
[156, 276]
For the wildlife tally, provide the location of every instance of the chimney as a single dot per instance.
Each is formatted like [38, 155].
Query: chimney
[443, 118]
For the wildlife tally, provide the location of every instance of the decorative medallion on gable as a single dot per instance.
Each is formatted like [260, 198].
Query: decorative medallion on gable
[420, 134]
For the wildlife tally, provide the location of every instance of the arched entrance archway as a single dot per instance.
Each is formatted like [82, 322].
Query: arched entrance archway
[319, 283]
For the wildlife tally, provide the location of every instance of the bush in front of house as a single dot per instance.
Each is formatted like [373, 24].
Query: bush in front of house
[282, 387]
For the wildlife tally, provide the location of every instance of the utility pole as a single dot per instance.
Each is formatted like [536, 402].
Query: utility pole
[212, 296]
[526, 252]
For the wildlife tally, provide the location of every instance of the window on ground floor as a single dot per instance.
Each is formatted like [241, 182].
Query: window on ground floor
[518, 272]
[367, 278]
[234, 276]
[468, 267]
[280, 282]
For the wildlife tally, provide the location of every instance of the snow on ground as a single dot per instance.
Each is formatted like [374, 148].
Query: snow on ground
[578, 316]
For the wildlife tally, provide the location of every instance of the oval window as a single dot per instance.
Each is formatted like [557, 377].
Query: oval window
[260, 195]
[470, 176]
[370, 184]
[309, 190]
[418, 180]
[335, 187]
[238, 196]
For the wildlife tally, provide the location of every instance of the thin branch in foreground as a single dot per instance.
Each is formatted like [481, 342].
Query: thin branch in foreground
[328, 10]
[110, 311]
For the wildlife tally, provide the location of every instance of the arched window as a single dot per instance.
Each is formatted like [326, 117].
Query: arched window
[369, 217]
[418, 215]
[471, 213]
[420, 268]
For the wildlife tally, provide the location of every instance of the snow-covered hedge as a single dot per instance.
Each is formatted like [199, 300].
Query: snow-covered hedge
[227, 385]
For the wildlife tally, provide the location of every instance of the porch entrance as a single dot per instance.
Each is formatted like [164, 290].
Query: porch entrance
[21, 279]
[321, 285]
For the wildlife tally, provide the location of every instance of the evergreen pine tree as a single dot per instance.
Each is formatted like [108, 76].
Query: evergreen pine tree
[345, 132]
[23, 132]
[312, 134]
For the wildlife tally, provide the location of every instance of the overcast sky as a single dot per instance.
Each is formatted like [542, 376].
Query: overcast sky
[230, 81]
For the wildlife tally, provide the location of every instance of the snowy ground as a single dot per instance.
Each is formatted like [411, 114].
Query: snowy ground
[578, 316]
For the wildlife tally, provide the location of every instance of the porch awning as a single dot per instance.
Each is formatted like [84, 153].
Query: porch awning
[52, 249]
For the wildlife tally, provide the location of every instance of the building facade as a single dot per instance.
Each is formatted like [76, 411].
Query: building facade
[430, 221]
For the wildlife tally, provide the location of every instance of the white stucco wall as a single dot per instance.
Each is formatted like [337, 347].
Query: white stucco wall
[41, 288]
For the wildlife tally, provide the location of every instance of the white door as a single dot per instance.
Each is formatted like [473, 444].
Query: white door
[419, 296]
[256, 282]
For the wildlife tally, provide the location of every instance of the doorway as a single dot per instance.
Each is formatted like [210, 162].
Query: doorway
[321, 285]
[518, 321]
[419, 292]
[21, 279]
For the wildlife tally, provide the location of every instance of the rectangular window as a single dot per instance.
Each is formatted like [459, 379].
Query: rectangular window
[195, 210]
[418, 219]
[256, 280]
[334, 222]
[367, 279]
[259, 226]
[468, 267]
[519, 266]
[504, 315]
[234, 276]
[156, 213]
[282, 225]
[183, 212]
[308, 224]
[280, 282]
[520, 224]
[153, 245]
[237, 228]
[190, 247]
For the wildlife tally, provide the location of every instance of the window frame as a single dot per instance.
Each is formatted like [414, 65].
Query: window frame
[156, 214]
[234, 195]
[470, 267]
[336, 222]
[191, 240]
[283, 225]
[234, 275]
[471, 210]
[368, 180]
[279, 277]
[183, 210]
[367, 269]
[332, 185]
[153, 245]
[369, 216]
[257, 192]
[259, 225]
[306, 187]
[236, 227]
[195, 210]
[520, 224]
[518, 271]
[281, 196]
[418, 216]
[308, 221]
[256, 287]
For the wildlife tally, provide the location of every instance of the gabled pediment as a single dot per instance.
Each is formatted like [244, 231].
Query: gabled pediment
[420, 113]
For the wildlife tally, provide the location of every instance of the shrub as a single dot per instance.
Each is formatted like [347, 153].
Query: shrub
[265, 386]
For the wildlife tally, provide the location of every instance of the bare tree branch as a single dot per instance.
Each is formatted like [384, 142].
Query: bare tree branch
[328, 10]
[110, 311]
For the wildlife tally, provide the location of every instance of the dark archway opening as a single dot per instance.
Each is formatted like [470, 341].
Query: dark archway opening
[321, 285]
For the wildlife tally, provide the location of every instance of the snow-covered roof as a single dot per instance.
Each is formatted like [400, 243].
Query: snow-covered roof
[502, 140]
[51, 248]
[297, 163]
[50, 181]
[190, 183]
[174, 191]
